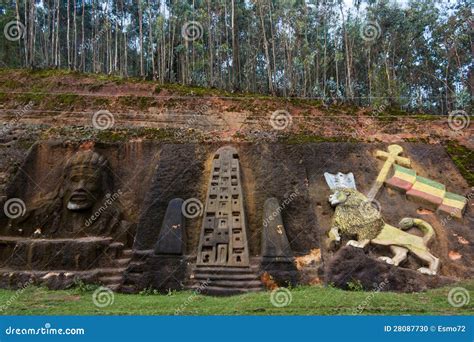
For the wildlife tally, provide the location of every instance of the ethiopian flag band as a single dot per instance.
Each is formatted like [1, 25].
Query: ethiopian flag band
[426, 191]
[453, 204]
[402, 179]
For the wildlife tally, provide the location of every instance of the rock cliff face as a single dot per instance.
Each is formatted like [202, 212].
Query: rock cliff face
[147, 175]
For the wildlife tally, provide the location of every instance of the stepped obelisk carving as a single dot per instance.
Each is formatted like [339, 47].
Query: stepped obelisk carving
[223, 240]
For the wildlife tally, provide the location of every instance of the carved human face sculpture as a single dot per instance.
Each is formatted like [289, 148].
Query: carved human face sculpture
[83, 188]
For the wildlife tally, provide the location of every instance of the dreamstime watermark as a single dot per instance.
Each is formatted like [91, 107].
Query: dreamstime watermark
[458, 297]
[192, 208]
[103, 297]
[192, 297]
[365, 303]
[256, 136]
[103, 119]
[370, 31]
[46, 330]
[18, 115]
[16, 295]
[14, 208]
[87, 45]
[191, 31]
[191, 122]
[14, 30]
[282, 206]
[314, 7]
[280, 119]
[281, 297]
[458, 120]
[378, 110]
[466, 25]
[109, 199]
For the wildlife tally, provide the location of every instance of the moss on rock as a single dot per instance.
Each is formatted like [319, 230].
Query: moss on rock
[463, 157]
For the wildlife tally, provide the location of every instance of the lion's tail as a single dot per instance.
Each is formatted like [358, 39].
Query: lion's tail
[425, 227]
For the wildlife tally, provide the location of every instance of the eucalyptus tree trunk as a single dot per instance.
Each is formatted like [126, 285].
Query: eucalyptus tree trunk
[229, 76]
[26, 36]
[75, 36]
[267, 54]
[47, 33]
[93, 43]
[235, 50]
[210, 43]
[116, 47]
[150, 36]
[68, 36]
[347, 57]
[83, 49]
[140, 24]
[32, 25]
[125, 42]
[58, 44]
[53, 34]
[273, 35]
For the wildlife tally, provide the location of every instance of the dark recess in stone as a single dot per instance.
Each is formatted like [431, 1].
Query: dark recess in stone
[172, 238]
[277, 257]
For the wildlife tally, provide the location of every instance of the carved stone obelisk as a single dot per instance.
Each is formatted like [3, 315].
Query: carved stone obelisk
[223, 240]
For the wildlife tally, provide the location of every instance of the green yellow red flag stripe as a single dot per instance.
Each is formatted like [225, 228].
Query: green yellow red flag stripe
[427, 191]
[402, 179]
[431, 193]
[453, 204]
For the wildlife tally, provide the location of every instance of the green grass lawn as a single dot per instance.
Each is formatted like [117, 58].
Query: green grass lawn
[305, 301]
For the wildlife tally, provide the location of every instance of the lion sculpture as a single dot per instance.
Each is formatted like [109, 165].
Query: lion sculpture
[355, 217]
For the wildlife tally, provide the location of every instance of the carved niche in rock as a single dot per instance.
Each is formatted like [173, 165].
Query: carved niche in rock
[165, 270]
[172, 237]
[277, 256]
[83, 204]
[275, 243]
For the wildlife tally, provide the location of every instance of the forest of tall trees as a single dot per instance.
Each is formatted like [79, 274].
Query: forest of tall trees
[414, 54]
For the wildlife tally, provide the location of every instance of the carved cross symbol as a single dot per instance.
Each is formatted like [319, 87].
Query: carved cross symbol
[391, 157]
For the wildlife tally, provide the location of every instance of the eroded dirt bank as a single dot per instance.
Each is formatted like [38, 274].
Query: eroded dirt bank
[55, 99]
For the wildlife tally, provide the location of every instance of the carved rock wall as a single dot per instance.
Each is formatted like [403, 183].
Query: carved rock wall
[150, 174]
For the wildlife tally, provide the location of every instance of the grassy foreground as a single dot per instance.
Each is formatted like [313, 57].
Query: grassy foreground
[304, 301]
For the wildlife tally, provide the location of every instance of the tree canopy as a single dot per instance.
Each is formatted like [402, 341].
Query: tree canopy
[415, 54]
